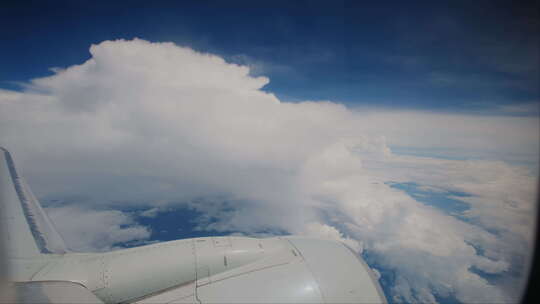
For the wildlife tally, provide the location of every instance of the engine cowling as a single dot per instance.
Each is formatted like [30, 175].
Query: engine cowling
[224, 270]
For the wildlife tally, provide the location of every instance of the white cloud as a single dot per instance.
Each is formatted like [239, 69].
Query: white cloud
[480, 136]
[328, 232]
[155, 124]
[151, 213]
[86, 230]
[408, 236]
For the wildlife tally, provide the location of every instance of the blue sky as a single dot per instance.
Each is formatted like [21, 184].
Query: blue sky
[460, 56]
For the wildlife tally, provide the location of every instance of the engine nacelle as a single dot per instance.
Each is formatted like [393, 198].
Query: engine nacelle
[233, 270]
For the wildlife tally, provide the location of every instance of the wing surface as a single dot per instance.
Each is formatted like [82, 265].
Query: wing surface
[57, 292]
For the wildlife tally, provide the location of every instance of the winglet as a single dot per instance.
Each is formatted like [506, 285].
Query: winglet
[29, 232]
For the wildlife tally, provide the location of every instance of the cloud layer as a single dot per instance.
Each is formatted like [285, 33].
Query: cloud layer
[155, 124]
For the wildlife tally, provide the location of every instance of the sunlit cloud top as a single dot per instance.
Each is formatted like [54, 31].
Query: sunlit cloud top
[465, 56]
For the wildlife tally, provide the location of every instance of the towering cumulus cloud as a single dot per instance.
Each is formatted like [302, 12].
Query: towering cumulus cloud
[156, 124]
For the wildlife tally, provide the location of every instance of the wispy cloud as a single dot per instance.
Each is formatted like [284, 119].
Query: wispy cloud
[85, 229]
